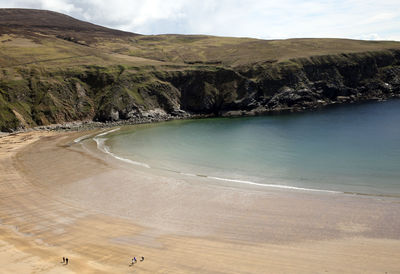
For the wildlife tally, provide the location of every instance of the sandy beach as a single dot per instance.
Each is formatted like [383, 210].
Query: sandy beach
[60, 198]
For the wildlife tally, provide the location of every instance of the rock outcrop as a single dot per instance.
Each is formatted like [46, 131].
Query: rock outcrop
[46, 96]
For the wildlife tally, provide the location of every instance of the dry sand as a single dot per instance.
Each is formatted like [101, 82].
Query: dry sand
[63, 199]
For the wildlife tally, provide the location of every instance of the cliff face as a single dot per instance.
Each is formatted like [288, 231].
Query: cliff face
[35, 96]
[56, 69]
[294, 85]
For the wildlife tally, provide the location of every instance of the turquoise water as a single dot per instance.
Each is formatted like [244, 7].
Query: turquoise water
[353, 148]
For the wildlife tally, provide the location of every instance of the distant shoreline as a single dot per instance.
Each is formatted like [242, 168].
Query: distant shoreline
[86, 125]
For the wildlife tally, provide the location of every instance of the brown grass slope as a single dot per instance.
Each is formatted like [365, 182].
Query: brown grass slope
[243, 51]
[29, 21]
[37, 25]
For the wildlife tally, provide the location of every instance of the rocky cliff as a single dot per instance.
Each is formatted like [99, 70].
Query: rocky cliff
[115, 86]
[40, 97]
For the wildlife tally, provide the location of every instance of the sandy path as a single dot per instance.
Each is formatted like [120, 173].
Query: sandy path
[59, 201]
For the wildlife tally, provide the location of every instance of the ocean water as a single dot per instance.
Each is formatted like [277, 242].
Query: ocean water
[350, 148]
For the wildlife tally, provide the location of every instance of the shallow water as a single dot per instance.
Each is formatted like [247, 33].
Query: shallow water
[352, 148]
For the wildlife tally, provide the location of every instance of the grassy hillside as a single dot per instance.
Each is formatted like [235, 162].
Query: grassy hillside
[54, 68]
[243, 51]
[44, 36]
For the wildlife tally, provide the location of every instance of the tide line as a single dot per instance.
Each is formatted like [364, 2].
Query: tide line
[80, 139]
[272, 185]
[102, 147]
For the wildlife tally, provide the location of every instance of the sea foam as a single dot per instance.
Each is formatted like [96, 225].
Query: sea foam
[104, 148]
[272, 185]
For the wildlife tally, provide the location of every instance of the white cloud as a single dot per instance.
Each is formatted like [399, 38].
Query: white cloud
[369, 36]
[381, 17]
[366, 19]
[58, 5]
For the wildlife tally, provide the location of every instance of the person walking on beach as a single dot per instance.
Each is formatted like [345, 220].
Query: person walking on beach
[142, 259]
[66, 260]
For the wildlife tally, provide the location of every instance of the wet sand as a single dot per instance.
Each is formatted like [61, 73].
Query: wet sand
[63, 199]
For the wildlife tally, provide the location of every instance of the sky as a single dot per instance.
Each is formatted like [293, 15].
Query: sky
[274, 19]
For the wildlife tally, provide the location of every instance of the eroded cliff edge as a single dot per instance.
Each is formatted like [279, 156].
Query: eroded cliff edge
[32, 95]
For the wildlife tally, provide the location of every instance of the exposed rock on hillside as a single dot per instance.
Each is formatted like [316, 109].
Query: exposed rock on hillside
[109, 94]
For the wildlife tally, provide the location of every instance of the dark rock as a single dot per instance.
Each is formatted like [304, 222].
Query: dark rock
[114, 96]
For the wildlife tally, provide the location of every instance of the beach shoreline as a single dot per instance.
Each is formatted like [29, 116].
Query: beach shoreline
[60, 198]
